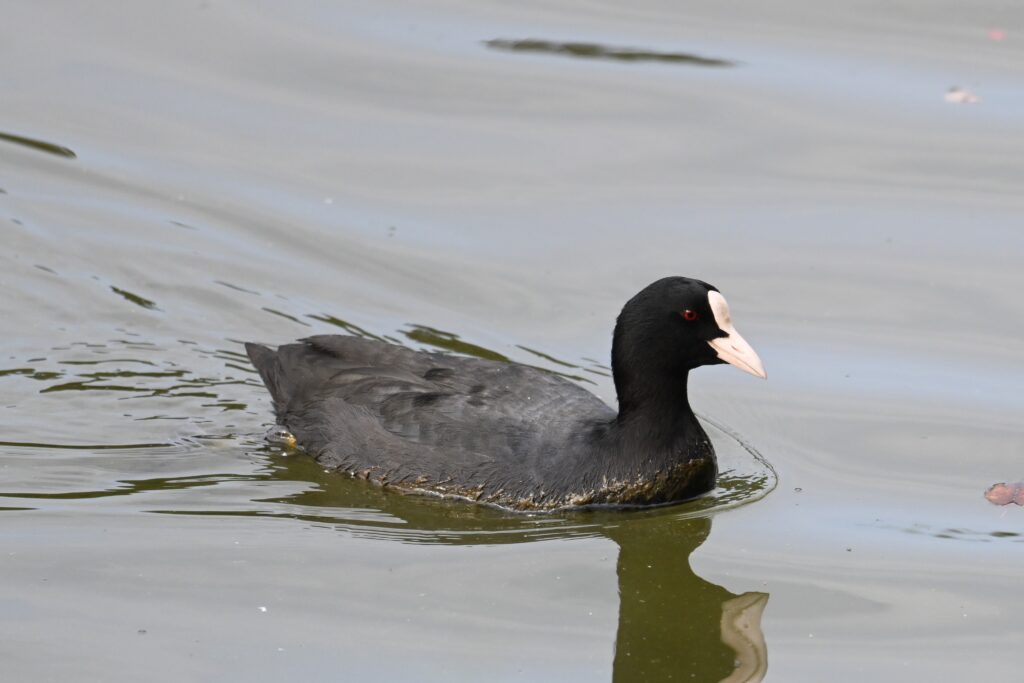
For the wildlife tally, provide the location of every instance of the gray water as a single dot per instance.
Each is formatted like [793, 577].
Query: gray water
[495, 178]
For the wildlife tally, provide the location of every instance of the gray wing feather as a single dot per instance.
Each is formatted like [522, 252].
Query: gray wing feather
[366, 403]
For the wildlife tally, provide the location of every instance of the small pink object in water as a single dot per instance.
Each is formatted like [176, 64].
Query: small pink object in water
[996, 34]
[957, 95]
[1004, 494]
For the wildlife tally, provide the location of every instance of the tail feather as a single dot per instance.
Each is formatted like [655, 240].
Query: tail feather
[266, 362]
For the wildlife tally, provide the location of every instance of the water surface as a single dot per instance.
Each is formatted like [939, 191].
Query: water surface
[497, 180]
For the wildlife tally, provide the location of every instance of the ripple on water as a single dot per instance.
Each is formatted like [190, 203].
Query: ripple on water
[117, 398]
[63, 471]
[132, 371]
[597, 51]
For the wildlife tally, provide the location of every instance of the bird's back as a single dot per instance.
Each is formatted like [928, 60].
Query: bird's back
[431, 421]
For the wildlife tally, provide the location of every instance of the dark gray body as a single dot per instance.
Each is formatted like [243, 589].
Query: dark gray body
[501, 433]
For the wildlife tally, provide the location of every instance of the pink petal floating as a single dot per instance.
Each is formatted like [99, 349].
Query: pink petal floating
[1004, 494]
[996, 34]
[957, 95]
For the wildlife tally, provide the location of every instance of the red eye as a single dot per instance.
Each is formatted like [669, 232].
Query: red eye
[689, 315]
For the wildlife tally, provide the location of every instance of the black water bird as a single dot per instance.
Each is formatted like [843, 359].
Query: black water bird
[512, 435]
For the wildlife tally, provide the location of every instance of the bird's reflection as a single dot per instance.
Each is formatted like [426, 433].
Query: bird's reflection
[671, 620]
[673, 624]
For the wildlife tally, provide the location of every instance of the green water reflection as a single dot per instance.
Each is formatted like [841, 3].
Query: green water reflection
[674, 624]
[140, 301]
[450, 341]
[40, 145]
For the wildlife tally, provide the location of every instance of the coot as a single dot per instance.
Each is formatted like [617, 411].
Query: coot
[512, 435]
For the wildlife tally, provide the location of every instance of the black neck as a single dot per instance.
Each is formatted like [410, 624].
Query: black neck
[655, 422]
[657, 413]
